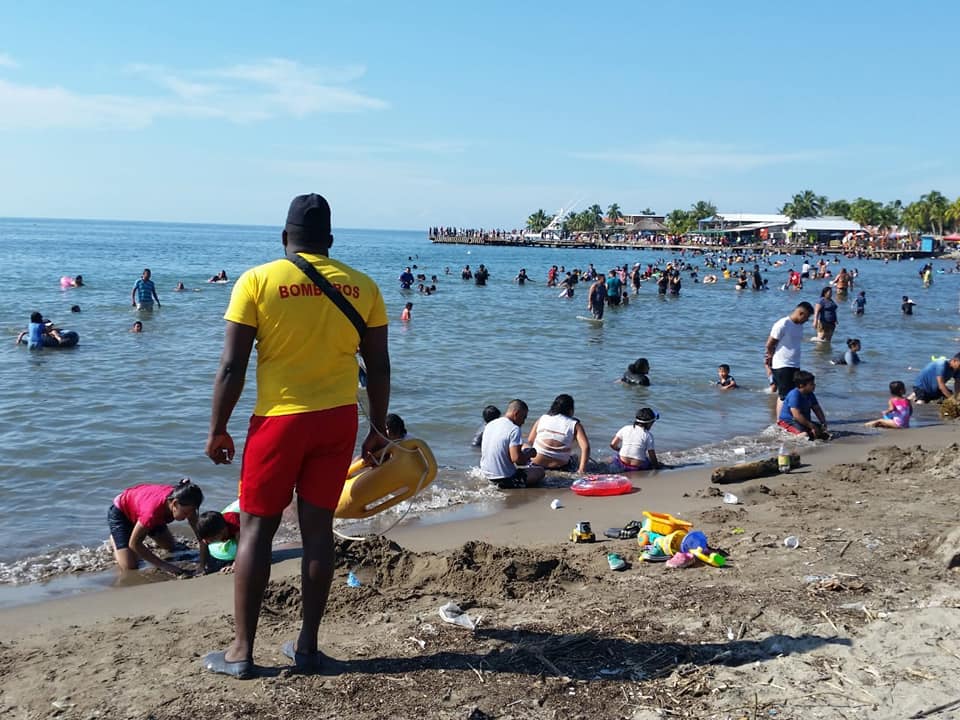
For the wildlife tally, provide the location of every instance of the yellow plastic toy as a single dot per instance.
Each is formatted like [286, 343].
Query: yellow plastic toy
[406, 467]
[670, 544]
[664, 523]
[714, 558]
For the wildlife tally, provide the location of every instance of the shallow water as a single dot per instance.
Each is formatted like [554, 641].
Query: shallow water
[80, 425]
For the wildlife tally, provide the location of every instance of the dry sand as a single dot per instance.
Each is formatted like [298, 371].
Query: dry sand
[861, 621]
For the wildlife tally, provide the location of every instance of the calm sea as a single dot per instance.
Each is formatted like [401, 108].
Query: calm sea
[79, 425]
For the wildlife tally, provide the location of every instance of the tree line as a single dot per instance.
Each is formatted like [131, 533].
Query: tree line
[933, 212]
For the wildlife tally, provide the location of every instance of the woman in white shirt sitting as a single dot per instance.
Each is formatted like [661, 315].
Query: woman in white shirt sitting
[554, 435]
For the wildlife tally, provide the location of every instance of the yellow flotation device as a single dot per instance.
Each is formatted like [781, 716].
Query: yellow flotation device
[405, 468]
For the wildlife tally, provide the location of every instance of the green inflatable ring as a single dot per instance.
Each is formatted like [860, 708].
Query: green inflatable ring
[225, 551]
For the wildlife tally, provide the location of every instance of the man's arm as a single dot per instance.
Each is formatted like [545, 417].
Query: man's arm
[769, 349]
[133, 294]
[818, 411]
[155, 296]
[376, 356]
[227, 386]
[942, 384]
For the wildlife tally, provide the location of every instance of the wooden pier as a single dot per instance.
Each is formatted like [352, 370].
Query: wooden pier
[610, 244]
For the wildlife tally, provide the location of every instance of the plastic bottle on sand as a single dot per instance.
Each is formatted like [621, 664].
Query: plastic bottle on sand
[783, 460]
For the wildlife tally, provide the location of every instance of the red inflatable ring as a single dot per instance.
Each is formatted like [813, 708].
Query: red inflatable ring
[602, 485]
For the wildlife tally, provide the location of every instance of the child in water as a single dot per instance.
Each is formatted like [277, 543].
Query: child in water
[725, 380]
[34, 332]
[906, 305]
[396, 430]
[899, 409]
[144, 510]
[636, 373]
[405, 313]
[634, 444]
[490, 412]
[860, 303]
[851, 356]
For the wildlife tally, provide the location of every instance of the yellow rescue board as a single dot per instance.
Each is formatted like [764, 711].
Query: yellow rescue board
[408, 467]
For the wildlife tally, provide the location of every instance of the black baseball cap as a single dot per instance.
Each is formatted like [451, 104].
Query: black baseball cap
[309, 214]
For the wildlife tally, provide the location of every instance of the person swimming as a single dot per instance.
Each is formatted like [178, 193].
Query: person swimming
[851, 356]
[636, 373]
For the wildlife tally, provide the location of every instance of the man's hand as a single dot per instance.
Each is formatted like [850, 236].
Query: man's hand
[373, 443]
[220, 448]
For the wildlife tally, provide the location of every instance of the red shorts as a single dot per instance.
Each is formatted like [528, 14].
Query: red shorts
[307, 452]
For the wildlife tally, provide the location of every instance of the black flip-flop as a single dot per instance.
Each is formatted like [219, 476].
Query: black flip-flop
[217, 662]
[627, 532]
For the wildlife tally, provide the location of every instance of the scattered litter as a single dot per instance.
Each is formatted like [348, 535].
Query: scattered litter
[418, 641]
[555, 504]
[353, 580]
[792, 542]
[737, 531]
[730, 499]
[451, 613]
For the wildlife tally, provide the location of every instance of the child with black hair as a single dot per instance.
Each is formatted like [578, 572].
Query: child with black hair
[490, 412]
[725, 380]
[34, 332]
[851, 356]
[396, 429]
[634, 444]
[636, 373]
[797, 407]
[219, 531]
[899, 409]
[147, 509]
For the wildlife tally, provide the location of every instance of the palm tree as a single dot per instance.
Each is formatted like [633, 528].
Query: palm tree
[596, 212]
[679, 222]
[953, 214]
[647, 211]
[837, 208]
[890, 214]
[915, 216]
[936, 206]
[538, 221]
[614, 214]
[701, 210]
[865, 212]
[805, 204]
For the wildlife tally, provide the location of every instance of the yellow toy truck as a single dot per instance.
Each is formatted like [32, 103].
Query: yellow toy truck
[582, 533]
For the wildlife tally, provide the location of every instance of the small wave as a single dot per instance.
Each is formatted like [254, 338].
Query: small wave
[56, 562]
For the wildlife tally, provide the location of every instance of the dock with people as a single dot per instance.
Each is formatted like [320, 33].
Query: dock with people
[665, 244]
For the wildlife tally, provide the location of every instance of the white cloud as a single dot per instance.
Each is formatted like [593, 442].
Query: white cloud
[693, 159]
[240, 94]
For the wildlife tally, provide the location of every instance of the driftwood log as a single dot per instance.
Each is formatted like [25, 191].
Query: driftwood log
[750, 470]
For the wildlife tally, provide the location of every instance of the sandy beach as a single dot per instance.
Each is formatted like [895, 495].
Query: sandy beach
[860, 621]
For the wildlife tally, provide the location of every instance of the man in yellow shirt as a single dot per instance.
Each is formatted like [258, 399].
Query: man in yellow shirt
[304, 424]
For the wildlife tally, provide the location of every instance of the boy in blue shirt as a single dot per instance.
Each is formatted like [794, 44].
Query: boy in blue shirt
[144, 292]
[797, 407]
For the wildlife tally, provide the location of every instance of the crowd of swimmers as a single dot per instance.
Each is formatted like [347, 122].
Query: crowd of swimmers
[41, 332]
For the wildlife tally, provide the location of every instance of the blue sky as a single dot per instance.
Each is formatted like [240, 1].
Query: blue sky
[413, 114]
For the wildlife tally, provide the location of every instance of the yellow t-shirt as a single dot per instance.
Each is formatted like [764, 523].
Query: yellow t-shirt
[306, 347]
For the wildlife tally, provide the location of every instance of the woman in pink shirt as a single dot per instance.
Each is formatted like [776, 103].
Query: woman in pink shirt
[146, 509]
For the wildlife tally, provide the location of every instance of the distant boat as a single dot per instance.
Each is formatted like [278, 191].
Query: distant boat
[552, 231]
